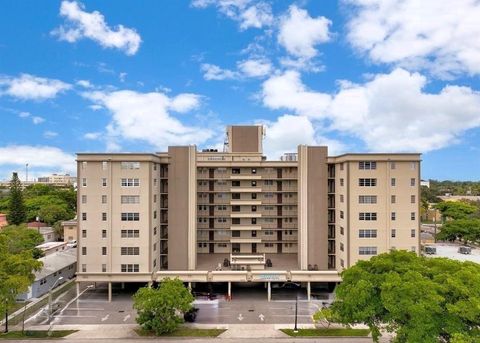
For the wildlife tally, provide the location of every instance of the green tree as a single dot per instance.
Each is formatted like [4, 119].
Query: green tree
[420, 299]
[16, 273]
[466, 230]
[161, 310]
[16, 210]
[21, 238]
[456, 209]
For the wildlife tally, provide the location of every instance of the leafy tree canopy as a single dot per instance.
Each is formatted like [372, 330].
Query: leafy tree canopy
[20, 238]
[16, 207]
[161, 310]
[420, 299]
[456, 209]
[466, 230]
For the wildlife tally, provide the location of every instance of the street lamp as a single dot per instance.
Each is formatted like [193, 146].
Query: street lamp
[295, 329]
[50, 299]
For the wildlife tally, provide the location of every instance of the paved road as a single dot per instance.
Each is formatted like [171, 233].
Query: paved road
[249, 306]
[228, 340]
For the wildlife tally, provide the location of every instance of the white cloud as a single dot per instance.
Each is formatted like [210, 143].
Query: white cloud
[391, 112]
[82, 24]
[95, 107]
[428, 34]
[289, 131]
[286, 91]
[50, 134]
[92, 135]
[24, 114]
[30, 87]
[214, 72]
[255, 67]
[250, 68]
[299, 33]
[147, 117]
[37, 157]
[37, 120]
[84, 83]
[248, 13]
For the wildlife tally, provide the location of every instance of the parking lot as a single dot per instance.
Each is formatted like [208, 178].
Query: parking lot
[249, 305]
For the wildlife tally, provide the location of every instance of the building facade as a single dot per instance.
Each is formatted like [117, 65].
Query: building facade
[234, 216]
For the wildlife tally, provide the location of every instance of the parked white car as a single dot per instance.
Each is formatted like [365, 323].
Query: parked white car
[72, 243]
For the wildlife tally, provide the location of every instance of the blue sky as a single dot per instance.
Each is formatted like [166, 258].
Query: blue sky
[356, 75]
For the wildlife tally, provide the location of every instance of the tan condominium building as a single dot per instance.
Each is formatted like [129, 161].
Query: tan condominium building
[235, 216]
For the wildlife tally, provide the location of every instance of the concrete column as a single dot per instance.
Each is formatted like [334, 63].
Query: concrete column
[309, 290]
[109, 292]
[78, 288]
[229, 290]
[269, 291]
[150, 284]
[190, 286]
[123, 285]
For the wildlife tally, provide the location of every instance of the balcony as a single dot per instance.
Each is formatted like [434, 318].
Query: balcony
[246, 190]
[245, 202]
[245, 240]
[245, 227]
[245, 215]
[245, 177]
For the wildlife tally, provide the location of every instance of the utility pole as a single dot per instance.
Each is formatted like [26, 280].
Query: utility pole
[26, 172]
[295, 329]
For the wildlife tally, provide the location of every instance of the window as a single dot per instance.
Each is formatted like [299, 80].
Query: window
[104, 233]
[254, 170]
[394, 233]
[130, 216]
[369, 216]
[104, 216]
[104, 199]
[235, 233]
[154, 263]
[155, 182]
[341, 166]
[235, 183]
[413, 165]
[367, 199]
[84, 268]
[254, 183]
[130, 182]
[341, 182]
[154, 214]
[129, 251]
[84, 182]
[412, 215]
[236, 221]
[393, 216]
[413, 249]
[341, 198]
[104, 268]
[130, 233]
[367, 250]
[130, 199]
[129, 268]
[254, 208]
[268, 233]
[84, 165]
[342, 247]
[104, 182]
[367, 233]
[392, 165]
[130, 165]
[104, 165]
[155, 247]
[413, 233]
[154, 230]
[235, 170]
[235, 208]
[235, 196]
[104, 251]
[84, 216]
[342, 263]
[84, 199]
[222, 245]
[254, 195]
[154, 198]
[342, 230]
[367, 165]
[393, 181]
[254, 221]
[412, 199]
[367, 182]
[268, 245]
[84, 233]
[393, 199]
[84, 251]
[341, 214]
[412, 182]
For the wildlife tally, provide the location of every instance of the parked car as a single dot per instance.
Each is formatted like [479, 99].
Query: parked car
[191, 315]
[430, 250]
[291, 285]
[465, 250]
[72, 243]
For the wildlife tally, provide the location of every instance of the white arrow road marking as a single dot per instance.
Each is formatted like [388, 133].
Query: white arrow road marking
[105, 318]
[126, 317]
[240, 317]
[262, 317]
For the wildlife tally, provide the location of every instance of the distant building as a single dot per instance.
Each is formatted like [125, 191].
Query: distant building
[449, 197]
[69, 230]
[52, 247]
[46, 231]
[3, 220]
[56, 265]
[58, 180]
[425, 183]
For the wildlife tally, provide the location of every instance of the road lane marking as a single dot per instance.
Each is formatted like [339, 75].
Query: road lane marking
[262, 317]
[105, 318]
[240, 317]
[126, 317]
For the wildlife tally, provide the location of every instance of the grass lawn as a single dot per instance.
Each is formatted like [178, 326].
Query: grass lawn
[184, 332]
[327, 332]
[36, 334]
